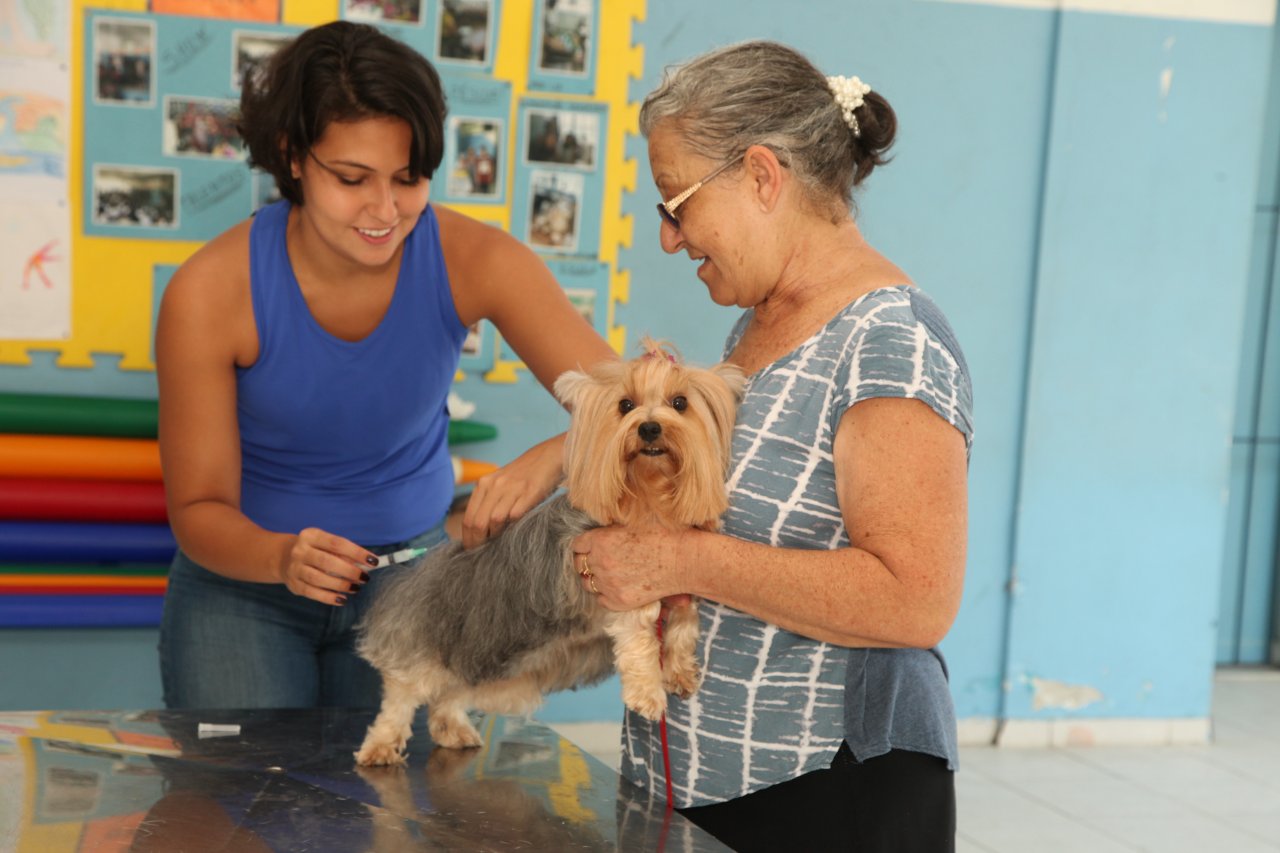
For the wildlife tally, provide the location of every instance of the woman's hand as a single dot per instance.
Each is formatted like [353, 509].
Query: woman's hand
[630, 568]
[496, 277]
[512, 490]
[324, 567]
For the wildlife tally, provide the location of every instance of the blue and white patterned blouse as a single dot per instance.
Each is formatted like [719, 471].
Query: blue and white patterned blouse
[774, 705]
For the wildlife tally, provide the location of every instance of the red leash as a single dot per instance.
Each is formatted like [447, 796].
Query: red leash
[666, 758]
[662, 728]
[666, 763]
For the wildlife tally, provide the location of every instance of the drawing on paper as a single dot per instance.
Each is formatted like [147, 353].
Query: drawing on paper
[32, 134]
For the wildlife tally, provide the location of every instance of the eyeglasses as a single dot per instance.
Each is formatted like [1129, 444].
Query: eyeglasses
[667, 209]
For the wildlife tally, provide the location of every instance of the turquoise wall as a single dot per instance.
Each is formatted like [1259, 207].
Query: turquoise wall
[1079, 192]
[1143, 262]
[1249, 593]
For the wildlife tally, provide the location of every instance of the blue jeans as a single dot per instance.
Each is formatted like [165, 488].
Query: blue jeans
[232, 644]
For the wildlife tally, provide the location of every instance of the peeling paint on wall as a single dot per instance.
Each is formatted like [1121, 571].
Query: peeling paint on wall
[1166, 83]
[1058, 695]
[1166, 80]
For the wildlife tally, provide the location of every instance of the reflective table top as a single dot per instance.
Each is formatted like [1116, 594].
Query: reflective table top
[150, 781]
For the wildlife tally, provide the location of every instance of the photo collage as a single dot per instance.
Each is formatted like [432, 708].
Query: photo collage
[163, 159]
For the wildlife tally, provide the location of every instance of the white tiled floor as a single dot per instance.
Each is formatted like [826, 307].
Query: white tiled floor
[1218, 798]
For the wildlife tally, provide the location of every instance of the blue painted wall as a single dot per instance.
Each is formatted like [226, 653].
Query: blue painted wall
[1136, 341]
[1078, 191]
[1249, 591]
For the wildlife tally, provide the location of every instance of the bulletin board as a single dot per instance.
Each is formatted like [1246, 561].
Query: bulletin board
[146, 165]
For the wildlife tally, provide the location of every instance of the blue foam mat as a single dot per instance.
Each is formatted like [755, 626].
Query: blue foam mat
[80, 611]
[77, 541]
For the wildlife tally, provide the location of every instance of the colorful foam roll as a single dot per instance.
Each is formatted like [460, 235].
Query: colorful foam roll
[462, 432]
[40, 584]
[82, 500]
[59, 415]
[71, 542]
[66, 457]
[470, 470]
[80, 611]
[122, 569]
[42, 414]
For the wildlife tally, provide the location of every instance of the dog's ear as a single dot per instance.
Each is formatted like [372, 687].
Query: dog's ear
[568, 386]
[732, 376]
[721, 389]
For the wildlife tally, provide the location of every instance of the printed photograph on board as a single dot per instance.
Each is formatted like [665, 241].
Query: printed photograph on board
[201, 127]
[391, 11]
[555, 205]
[135, 196]
[564, 42]
[477, 146]
[123, 62]
[250, 52]
[464, 31]
[564, 137]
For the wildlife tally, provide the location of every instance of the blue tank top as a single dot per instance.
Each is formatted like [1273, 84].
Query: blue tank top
[350, 437]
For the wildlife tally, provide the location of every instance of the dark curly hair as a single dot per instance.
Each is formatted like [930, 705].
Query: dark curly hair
[337, 72]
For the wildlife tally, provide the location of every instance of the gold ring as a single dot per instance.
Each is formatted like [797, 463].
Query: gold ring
[591, 579]
[585, 571]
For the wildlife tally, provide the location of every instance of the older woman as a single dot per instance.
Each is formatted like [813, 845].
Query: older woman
[824, 720]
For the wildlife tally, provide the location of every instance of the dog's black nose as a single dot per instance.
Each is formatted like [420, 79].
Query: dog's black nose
[649, 431]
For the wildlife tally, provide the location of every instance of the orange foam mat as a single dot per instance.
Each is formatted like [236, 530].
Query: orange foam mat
[106, 584]
[79, 457]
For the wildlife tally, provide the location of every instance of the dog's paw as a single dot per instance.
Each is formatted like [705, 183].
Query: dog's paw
[682, 682]
[454, 733]
[378, 754]
[460, 739]
[647, 703]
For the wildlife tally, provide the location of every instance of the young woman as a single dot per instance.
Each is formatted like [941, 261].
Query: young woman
[304, 360]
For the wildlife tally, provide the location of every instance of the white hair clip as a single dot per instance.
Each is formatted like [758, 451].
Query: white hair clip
[849, 93]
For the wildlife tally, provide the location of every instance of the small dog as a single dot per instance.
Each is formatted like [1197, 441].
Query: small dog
[496, 627]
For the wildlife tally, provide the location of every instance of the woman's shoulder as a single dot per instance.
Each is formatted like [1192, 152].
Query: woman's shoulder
[894, 323]
[216, 277]
[471, 240]
[207, 306]
[480, 256]
[884, 311]
[905, 314]
[896, 342]
[883, 299]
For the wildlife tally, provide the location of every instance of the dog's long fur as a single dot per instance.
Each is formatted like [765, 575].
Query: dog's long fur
[477, 615]
[498, 626]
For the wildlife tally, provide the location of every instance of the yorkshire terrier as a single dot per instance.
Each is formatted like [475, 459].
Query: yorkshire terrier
[498, 626]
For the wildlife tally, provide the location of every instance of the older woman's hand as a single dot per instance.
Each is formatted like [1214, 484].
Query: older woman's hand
[631, 567]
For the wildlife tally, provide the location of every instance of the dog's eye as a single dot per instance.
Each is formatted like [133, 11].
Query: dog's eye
[679, 403]
[625, 406]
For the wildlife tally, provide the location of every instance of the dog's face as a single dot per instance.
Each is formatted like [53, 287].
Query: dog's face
[649, 439]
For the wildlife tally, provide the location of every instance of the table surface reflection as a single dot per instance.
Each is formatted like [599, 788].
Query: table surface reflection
[147, 781]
